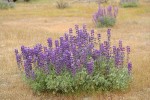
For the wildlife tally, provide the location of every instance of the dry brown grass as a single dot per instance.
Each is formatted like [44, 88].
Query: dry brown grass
[29, 24]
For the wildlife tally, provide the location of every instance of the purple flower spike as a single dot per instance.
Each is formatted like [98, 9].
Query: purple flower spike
[99, 37]
[108, 32]
[56, 43]
[84, 28]
[90, 66]
[109, 10]
[16, 51]
[73, 67]
[18, 58]
[28, 66]
[129, 67]
[115, 11]
[114, 50]
[66, 37]
[77, 29]
[120, 44]
[61, 41]
[128, 49]
[78, 63]
[49, 40]
[128, 52]
[108, 35]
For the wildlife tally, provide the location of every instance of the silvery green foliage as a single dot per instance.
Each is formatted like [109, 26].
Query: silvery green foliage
[116, 79]
[6, 4]
[129, 3]
[106, 22]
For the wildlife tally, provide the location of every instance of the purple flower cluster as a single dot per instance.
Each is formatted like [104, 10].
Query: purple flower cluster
[71, 53]
[103, 12]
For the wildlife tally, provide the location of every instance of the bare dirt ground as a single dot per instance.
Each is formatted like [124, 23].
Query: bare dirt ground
[29, 24]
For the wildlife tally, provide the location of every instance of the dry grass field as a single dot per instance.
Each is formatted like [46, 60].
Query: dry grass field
[31, 23]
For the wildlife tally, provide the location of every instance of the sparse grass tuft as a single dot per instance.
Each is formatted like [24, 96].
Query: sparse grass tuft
[61, 4]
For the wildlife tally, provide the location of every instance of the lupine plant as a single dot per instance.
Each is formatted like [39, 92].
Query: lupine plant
[129, 3]
[73, 63]
[105, 16]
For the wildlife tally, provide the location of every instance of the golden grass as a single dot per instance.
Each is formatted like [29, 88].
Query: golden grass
[29, 24]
